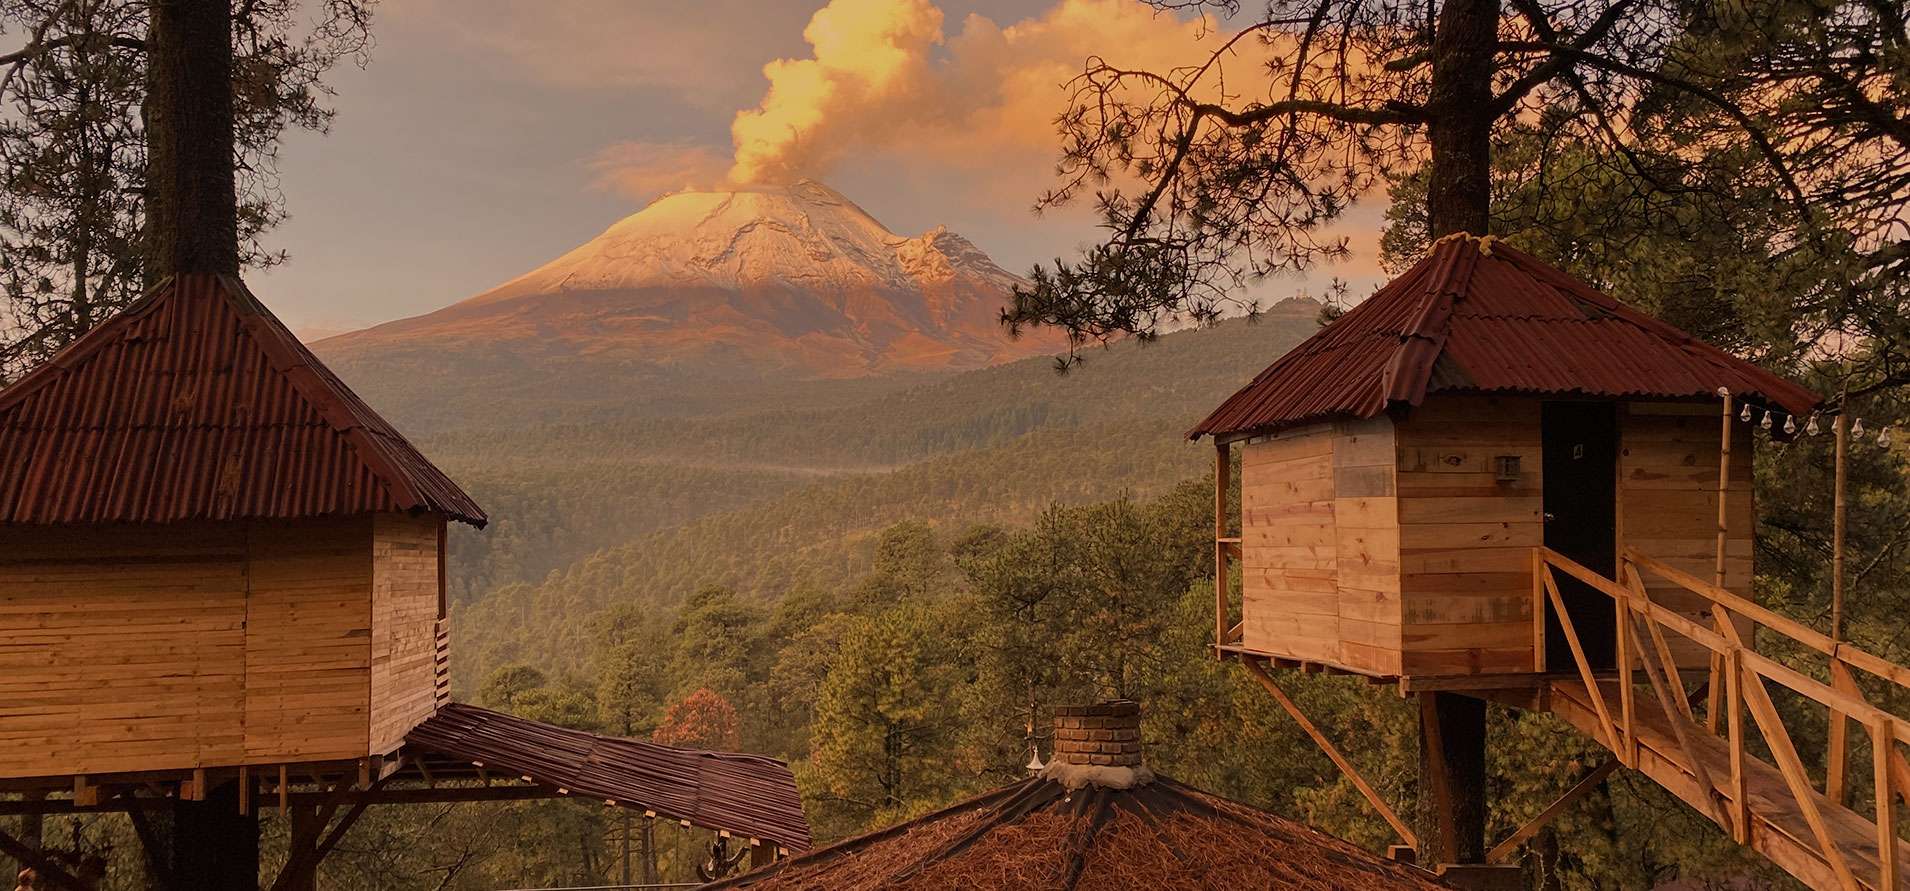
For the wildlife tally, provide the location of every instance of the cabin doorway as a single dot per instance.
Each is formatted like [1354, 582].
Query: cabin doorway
[1580, 500]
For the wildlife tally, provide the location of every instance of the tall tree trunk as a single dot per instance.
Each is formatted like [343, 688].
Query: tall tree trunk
[1459, 126]
[1458, 199]
[192, 219]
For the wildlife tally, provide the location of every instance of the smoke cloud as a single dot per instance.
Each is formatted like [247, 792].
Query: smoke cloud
[882, 76]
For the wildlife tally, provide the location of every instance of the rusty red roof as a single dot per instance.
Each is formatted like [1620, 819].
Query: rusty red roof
[1478, 315]
[196, 403]
[752, 796]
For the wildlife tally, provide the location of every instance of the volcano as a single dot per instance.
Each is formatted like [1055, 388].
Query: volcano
[791, 280]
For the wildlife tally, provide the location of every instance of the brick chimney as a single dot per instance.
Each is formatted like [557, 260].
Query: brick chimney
[1106, 734]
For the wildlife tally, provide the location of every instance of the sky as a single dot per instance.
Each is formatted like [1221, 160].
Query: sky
[485, 137]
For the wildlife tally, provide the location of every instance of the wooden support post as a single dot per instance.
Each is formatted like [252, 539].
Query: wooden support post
[1835, 765]
[1223, 474]
[1332, 753]
[1883, 744]
[1539, 571]
[285, 787]
[85, 794]
[1501, 851]
[1740, 786]
[245, 790]
[1626, 712]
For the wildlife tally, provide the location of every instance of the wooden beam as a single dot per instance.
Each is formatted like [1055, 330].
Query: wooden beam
[1836, 764]
[1579, 790]
[437, 795]
[1883, 745]
[1332, 753]
[1663, 689]
[41, 864]
[1592, 690]
[1223, 474]
[1778, 739]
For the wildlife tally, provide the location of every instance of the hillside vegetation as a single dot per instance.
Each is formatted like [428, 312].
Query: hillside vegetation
[644, 508]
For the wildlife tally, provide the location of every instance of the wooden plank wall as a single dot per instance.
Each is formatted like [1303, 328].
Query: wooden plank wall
[1320, 578]
[1668, 502]
[404, 600]
[1466, 539]
[307, 653]
[137, 647]
[1366, 520]
[118, 650]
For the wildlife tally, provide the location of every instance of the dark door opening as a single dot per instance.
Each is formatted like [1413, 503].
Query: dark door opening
[1580, 472]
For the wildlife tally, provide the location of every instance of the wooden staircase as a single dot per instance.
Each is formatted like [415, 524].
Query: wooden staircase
[1702, 752]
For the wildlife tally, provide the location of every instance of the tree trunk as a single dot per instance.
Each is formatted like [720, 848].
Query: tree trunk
[192, 219]
[1459, 125]
[1458, 199]
[214, 847]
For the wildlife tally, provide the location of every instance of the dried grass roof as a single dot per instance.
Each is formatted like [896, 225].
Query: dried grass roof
[1037, 834]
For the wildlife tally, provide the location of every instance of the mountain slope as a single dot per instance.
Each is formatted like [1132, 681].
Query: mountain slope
[790, 280]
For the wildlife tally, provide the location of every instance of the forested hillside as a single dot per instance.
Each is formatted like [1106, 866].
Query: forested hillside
[638, 508]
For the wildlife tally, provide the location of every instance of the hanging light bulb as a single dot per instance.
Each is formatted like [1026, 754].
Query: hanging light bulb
[1767, 419]
[1790, 425]
[1883, 439]
[1745, 415]
[1811, 428]
[1857, 429]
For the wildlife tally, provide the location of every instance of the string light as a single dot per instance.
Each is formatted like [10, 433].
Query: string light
[1745, 415]
[1811, 428]
[1790, 425]
[1767, 419]
[1883, 439]
[1857, 429]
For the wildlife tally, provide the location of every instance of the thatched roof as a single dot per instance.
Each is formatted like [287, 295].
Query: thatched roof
[1041, 834]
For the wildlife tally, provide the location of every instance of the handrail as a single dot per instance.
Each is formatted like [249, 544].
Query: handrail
[1745, 681]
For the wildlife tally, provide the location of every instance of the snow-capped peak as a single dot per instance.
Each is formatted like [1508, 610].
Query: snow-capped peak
[804, 234]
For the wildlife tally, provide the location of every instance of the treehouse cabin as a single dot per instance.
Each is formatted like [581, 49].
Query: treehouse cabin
[1400, 469]
[212, 554]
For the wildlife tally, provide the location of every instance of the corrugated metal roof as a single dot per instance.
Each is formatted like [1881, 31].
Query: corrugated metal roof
[1477, 315]
[746, 795]
[196, 403]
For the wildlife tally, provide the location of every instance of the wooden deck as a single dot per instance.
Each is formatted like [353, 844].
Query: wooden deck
[1779, 828]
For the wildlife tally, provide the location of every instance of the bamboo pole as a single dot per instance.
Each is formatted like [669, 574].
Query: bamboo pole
[1836, 765]
[1717, 571]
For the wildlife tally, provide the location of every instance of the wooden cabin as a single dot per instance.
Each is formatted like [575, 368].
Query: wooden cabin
[212, 554]
[1399, 469]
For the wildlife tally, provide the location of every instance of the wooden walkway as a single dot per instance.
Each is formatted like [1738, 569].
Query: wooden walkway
[1779, 828]
[1700, 752]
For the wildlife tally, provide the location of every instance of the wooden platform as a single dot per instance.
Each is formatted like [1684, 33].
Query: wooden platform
[1779, 829]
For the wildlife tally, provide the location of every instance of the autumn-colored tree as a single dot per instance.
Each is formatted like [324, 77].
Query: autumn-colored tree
[701, 720]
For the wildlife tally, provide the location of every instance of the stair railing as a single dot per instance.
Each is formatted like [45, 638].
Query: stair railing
[1745, 675]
